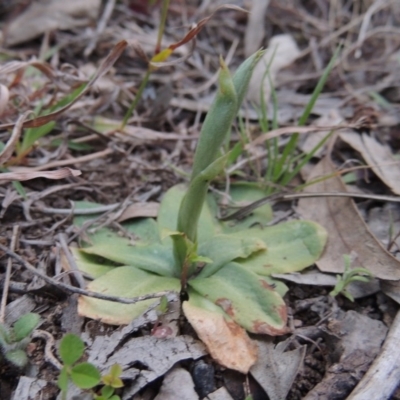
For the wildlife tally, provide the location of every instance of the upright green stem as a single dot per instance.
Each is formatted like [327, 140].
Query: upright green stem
[164, 13]
[137, 98]
[206, 163]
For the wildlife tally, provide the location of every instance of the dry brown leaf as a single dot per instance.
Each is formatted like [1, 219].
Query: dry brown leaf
[12, 142]
[27, 175]
[48, 15]
[282, 51]
[377, 156]
[140, 210]
[4, 96]
[227, 342]
[255, 29]
[348, 233]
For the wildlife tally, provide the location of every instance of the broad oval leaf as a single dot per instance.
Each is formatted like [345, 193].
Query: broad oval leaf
[292, 246]
[18, 357]
[85, 375]
[71, 349]
[123, 282]
[226, 341]
[25, 325]
[249, 300]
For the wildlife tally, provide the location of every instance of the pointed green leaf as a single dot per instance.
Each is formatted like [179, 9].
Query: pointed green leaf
[248, 300]
[154, 258]
[71, 349]
[222, 249]
[25, 325]
[85, 375]
[292, 246]
[124, 282]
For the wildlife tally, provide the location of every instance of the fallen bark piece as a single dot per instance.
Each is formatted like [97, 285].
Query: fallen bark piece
[360, 340]
[177, 384]
[153, 356]
[276, 369]
[220, 394]
[383, 377]
[29, 388]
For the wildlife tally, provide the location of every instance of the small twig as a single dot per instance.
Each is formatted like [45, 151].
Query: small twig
[71, 261]
[108, 9]
[375, 7]
[72, 289]
[244, 211]
[48, 353]
[8, 275]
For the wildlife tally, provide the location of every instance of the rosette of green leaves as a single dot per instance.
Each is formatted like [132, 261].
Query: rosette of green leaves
[224, 267]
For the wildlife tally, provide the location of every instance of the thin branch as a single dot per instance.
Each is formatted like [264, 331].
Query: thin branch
[244, 211]
[8, 275]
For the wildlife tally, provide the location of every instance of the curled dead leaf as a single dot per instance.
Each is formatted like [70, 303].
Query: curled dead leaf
[227, 342]
[377, 156]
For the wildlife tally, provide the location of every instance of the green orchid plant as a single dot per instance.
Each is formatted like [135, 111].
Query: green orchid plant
[223, 268]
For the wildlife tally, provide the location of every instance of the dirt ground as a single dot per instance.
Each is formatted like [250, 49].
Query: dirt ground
[50, 48]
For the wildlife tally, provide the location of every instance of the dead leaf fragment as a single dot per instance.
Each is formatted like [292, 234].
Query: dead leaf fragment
[140, 210]
[48, 15]
[377, 156]
[27, 175]
[276, 369]
[177, 383]
[255, 29]
[282, 51]
[227, 342]
[4, 96]
[348, 233]
[157, 355]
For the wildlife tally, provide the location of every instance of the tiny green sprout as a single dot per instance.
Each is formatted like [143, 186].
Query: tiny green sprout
[85, 375]
[13, 340]
[349, 275]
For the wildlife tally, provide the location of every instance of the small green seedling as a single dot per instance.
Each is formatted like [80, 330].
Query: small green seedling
[84, 374]
[349, 275]
[13, 340]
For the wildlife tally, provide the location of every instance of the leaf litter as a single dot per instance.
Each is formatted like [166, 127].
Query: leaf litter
[100, 179]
